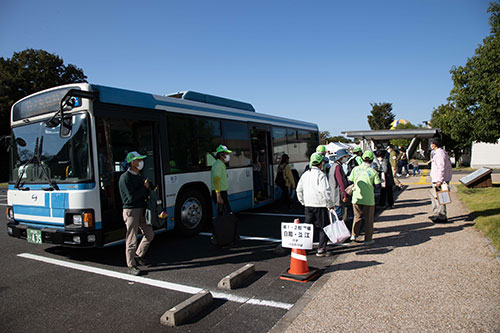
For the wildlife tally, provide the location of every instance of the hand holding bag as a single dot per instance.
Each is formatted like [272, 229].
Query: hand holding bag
[336, 231]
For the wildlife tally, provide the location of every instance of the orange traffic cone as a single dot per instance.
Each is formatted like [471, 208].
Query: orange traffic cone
[299, 270]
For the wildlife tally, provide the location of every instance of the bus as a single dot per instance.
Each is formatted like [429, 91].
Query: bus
[68, 146]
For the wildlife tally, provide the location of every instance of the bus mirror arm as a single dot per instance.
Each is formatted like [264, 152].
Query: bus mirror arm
[65, 129]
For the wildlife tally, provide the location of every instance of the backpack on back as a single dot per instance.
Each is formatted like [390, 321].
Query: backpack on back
[351, 164]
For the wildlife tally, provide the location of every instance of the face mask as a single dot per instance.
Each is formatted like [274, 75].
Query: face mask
[227, 158]
[140, 165]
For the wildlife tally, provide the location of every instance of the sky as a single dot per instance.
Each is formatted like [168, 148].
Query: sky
[319, 61]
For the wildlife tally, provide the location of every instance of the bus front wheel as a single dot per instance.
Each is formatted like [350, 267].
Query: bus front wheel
[191, 212]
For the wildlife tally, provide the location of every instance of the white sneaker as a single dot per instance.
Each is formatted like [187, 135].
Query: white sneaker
[353, 237]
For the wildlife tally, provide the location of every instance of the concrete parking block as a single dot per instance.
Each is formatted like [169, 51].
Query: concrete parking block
[237, 278]
[185, 310]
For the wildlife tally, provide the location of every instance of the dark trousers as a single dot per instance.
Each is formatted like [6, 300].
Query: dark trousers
[225, 198]
[386, 196]
[319, 217]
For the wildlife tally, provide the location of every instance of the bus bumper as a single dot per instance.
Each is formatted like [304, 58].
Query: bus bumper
[73, 238]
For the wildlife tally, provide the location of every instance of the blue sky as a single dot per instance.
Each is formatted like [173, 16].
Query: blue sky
[319, 61]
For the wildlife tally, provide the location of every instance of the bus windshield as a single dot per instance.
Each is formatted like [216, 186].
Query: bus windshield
[40, 155]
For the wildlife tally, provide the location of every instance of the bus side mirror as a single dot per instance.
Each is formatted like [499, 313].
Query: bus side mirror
[66, 127]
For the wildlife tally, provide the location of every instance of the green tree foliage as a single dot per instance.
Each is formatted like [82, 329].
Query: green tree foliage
[339, 138]
[381, 116]
[475, 115]
[455, 131]
[30, 71]
[403, 142]
[323, 136]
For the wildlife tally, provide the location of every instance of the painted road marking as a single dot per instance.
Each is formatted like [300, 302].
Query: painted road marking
[271, 214]
[155, 283]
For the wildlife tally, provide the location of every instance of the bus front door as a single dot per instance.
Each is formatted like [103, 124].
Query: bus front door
[261, 164]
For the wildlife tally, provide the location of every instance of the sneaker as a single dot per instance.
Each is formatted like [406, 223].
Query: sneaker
[323, 253]
[370, 242]
[142, 261]
[134, 271]
[353, 238]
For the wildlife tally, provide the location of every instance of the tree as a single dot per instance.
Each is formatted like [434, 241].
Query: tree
[339, 138]
[474, 114]
[381, 116]
[30, 71]
[323, 136]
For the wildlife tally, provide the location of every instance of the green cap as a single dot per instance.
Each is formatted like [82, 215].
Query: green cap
[320, 149]
[223, 149]
[368, 155]
[133, 155]
[357, 150]
[316, 159]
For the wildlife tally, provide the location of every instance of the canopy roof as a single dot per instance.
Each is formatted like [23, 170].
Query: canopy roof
[420, 133]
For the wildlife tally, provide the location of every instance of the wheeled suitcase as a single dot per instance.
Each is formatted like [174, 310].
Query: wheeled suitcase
[224, 228]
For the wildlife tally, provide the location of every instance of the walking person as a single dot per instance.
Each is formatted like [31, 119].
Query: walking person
[393, 160]
[287, 182]
[416, 168]
[403, 160]
[314, 192]
[338, 183]
[133, 192]
[365, 179]
[220, 197]
[440, 174]
[386, 180]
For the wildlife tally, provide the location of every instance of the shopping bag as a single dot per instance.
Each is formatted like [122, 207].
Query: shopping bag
[443, 194]
[336, 231]
[224, 227]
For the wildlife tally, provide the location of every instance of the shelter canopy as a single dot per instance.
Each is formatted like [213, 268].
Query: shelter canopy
[420, 133]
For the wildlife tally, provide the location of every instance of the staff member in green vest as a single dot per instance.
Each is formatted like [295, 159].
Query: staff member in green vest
[133, 191]
[219, 178]
[365, 179]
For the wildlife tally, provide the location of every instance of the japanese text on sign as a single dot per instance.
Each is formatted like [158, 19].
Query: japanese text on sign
[297, 236]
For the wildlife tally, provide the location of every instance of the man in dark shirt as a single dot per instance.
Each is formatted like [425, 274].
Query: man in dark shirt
[133, 191]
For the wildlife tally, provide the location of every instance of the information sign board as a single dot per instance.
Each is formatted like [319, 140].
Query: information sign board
[297, 236]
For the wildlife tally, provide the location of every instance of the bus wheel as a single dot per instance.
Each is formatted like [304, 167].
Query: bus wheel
[191, 212]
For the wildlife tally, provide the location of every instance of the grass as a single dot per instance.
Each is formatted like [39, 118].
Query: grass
[484, 205]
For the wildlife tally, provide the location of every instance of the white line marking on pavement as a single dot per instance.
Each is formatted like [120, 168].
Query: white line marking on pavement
[271, 214]
[272, 240]
[154, 283]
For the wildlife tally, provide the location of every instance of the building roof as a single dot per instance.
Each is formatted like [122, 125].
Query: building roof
[394, 134]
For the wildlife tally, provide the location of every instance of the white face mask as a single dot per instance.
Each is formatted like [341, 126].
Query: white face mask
[140, 165]
[227, 158]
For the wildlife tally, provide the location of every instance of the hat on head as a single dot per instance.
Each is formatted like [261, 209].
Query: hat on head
[316, 159]
[341, 153]
[223, 149]
[320, 149]
[368, 155]
[357, 150]
[133, 155]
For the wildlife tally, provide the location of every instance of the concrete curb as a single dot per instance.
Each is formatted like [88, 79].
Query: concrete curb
[236, 278]
[185, 310]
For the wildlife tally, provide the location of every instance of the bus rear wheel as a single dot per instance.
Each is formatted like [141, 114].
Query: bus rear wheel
[191, 212]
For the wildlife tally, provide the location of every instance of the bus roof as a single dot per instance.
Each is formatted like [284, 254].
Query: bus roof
[195, 103]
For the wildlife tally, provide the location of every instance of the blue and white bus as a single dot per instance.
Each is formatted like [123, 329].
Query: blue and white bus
[68, 146]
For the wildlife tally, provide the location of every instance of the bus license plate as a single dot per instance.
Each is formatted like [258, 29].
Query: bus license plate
[34, 236]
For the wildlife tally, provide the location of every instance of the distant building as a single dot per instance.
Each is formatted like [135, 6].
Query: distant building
[485, 155]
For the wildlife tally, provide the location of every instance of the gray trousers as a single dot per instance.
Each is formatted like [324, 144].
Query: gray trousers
[134, 219]
[438, 210]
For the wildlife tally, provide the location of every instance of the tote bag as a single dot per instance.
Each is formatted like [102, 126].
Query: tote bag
[336, 231]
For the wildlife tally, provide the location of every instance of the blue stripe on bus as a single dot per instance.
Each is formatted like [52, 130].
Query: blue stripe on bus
[62, 187]
[59, 200]
[144, 100]
[98, 225]
[31, 210]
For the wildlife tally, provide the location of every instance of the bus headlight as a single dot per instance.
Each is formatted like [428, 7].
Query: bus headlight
[77, 220]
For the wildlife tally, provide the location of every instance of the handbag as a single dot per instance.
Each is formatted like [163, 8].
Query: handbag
[443, 195]
[336, 231]
[349, 189]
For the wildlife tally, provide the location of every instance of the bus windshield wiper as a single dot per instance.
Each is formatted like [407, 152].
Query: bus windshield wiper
[35, 160]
